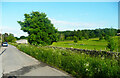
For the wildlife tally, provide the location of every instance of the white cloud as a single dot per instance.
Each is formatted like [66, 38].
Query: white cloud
[14, 30]
[66, 25]
[21, 33]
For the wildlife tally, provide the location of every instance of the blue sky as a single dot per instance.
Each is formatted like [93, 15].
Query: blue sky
[64, 15]
[60, 0]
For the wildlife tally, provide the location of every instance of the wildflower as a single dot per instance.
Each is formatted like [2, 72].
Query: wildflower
[98, 70]
[103, 58]
[95, 68]
[82, 53]
[87, 64]
[87, 70]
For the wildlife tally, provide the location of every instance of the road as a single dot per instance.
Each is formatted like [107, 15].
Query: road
[17, 63]
[0, 64]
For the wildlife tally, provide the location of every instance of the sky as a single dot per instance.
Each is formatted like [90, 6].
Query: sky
[60, 0]
[64, 15]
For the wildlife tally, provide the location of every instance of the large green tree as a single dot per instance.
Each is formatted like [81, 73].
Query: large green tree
[39, 28]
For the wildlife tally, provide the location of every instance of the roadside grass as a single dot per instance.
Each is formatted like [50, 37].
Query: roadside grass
[91, 44]
[80, 65]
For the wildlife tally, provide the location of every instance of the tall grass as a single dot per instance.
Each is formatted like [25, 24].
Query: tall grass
[80, 65]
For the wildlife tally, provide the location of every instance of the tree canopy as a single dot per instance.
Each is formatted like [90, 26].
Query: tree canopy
[39, 28]
[8, 37]
[86, 34]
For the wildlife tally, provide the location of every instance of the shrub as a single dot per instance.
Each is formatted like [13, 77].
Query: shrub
[75, 39]
[101, 37]
[107, 37]
[111, 44]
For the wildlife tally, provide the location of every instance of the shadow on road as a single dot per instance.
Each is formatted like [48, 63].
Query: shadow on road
[37, 77]
[24, 70]
[19, 73]
[2, 52]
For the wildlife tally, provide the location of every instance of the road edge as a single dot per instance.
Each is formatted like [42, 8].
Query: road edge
[1, 69]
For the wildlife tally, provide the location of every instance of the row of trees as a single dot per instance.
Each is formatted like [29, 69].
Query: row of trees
[21, 37]
[86, 34]
[8, 37]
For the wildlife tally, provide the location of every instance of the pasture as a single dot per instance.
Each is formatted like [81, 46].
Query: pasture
[91, 44]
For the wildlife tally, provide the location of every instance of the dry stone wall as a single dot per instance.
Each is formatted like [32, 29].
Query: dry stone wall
[92, 52]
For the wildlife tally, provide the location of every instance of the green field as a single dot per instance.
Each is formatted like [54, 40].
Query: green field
[91, 44]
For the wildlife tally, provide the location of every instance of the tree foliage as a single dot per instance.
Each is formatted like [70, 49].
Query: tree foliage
[111, 44]
[61, 37]
[39, 28]
[101, 37]
[97, 33]
[8, 38]
[75, 39]
[107, 37]
[23, 37]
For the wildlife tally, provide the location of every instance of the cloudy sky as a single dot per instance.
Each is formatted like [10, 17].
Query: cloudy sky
[64, 15]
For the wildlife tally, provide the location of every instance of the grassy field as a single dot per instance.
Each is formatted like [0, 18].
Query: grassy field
[91, 44]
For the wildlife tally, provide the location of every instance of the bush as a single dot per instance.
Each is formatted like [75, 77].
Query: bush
[111, 44]
[69, 38]
[107, 37]
[101, 37]
[75, 39]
